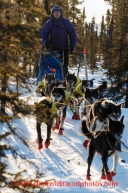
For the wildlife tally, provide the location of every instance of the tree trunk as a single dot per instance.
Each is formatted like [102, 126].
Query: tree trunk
[3, 89]
[126, 101]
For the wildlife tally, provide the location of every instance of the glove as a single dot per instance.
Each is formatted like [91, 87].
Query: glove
[47, 45]
[70, 50]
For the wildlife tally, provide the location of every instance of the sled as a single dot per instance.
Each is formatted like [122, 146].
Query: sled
[51, 62]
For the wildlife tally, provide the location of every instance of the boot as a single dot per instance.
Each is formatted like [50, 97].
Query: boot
[47, 144]
[103, 177]
[57, 126]
[40, 146]
[60, 131]
[76, 117]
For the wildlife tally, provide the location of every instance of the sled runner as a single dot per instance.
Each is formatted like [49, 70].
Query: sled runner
[51, 62]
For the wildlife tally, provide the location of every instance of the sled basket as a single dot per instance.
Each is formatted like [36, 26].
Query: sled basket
[50, 63]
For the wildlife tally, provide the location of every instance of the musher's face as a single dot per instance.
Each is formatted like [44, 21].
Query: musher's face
[56, 14]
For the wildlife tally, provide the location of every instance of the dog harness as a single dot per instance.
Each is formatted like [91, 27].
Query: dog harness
[68, 99]
[78, 81]
[78, 90]
[41, 85]
[47, 113]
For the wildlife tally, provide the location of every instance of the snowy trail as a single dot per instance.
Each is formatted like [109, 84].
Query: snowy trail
[66, 159]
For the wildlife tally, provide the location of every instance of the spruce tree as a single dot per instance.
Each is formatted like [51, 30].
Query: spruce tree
[20, 42]
[119, 47]
[20, 24]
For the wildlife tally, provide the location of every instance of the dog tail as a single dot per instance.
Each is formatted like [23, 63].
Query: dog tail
[85, 130]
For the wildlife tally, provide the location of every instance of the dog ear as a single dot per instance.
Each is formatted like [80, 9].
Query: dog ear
[45, 74]
[67, 74]
[91, 82]
[107, 104]
[121, 104]
[122, 119]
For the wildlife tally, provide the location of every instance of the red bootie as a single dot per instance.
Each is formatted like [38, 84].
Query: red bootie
[76, 117]
[103, 177]
[112, 173]
[40, 146]
[60, 132]
[88, 178]
[47, 144]
[85, 143]
[109, 177]
[57, 126]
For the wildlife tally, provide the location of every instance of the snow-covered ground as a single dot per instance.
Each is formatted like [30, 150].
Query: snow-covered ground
[63, 165]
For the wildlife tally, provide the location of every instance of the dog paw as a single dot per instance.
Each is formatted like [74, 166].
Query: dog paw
[109, 177]
[103, 177]
[76, 117]
[57, 126]
[40, 146]
[47, 144]
[60, 132]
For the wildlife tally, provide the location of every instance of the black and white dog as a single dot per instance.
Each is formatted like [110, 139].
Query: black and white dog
[45, 111]
[93, 94]
[62, 99]
[99, 113]
[60, 83]
[45, 86]
[72, 81]
[105, 142]
[78, 93]
[90, 95]
[97, 119]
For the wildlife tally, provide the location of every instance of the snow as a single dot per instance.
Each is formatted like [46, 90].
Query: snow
[64, 163]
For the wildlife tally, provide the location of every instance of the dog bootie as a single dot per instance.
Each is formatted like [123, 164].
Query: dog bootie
[76, 117]
[60, 132]
[85, 143]
[57, 126]
[103, 177]
[47, 144]
[109, 177]
[40, 146]
[88, 178]
[112, 173]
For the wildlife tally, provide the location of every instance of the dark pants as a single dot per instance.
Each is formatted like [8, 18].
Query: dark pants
[65, 66]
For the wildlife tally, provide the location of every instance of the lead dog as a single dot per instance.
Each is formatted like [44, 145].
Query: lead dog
[45, 111]
[103, 142]
[97, 119]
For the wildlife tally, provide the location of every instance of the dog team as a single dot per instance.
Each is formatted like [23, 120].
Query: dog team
[100, 116]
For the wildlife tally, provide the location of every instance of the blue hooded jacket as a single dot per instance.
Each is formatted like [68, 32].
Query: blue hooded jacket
[58, 31]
